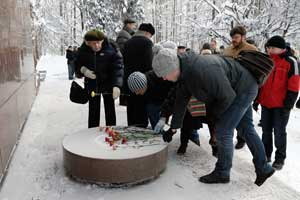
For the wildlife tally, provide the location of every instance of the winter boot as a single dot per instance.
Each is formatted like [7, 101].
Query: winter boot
[240, 144]
[261, 178]
[214, 177]
[259, 123]
[182, 149]
[277, 165]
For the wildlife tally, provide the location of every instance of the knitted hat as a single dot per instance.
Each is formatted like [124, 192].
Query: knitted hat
[165, 62]
[147, 27]
[137, 81]
[169, 44]
[156, 48]
[94, 35]
[276, 41]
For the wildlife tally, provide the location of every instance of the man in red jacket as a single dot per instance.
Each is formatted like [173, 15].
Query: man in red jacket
[277, 97]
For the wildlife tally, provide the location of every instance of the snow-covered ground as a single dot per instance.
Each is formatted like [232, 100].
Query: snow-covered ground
[36, 171]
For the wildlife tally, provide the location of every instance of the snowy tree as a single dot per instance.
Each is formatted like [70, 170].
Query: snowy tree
[133, 9]
[58, 24]
[196, 21]
[108, 15]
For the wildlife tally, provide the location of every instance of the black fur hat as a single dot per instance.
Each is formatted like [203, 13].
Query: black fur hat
[147, 27]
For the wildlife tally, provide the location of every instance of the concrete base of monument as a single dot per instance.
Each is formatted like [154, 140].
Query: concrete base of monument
[88, 157]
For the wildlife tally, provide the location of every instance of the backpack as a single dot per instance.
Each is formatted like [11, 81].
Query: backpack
[257, 63]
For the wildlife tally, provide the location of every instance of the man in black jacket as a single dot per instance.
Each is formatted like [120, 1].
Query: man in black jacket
[138, 56]
[102, 67]
[227, 89]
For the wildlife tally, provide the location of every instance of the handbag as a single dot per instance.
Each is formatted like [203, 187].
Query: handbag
[78, 94]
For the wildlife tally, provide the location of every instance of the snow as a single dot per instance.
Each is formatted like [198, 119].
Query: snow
[36, 171]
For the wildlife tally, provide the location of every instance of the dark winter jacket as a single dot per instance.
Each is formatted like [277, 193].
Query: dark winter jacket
[167, 107]
[282, 86]
[211, 79]
[107, 65]
[137, 55]
[70, 55]
[124, 35]
[157, 88]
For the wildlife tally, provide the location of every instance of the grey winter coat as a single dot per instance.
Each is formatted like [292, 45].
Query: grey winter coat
[212, 79]
[124, 35]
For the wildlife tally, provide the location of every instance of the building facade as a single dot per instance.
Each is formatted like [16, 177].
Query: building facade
[17, 75]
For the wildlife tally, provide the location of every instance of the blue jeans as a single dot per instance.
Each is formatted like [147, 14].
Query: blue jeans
[153, 113]
[71, 70]
[239, 115]
[276, 119]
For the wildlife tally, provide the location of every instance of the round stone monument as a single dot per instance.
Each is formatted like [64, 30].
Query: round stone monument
[114, 157]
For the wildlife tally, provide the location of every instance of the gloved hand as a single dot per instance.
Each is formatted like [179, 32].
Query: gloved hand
[255, 106]
[167, 135]
[87, 73]
[160, 125]
[116, 92]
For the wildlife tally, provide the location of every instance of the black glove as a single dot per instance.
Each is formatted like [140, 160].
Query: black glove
[298, 104]
[167, 135]
[255, 106]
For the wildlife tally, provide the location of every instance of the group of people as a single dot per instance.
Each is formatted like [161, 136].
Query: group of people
[158, 81]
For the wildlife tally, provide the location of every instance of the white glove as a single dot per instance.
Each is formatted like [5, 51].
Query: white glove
[116, 92]
[160, 125]
[87, 73]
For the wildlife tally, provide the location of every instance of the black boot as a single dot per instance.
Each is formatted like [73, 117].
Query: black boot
[182, 149]
[277, 164]
[214, 150]
[259, 123]
[261, 178]
[240, 144]
[214, 177]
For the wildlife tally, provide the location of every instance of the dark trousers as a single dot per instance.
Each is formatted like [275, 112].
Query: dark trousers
[136, 111]
[189, 125]
[275, 119]
[153, 113]
[109, 109]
